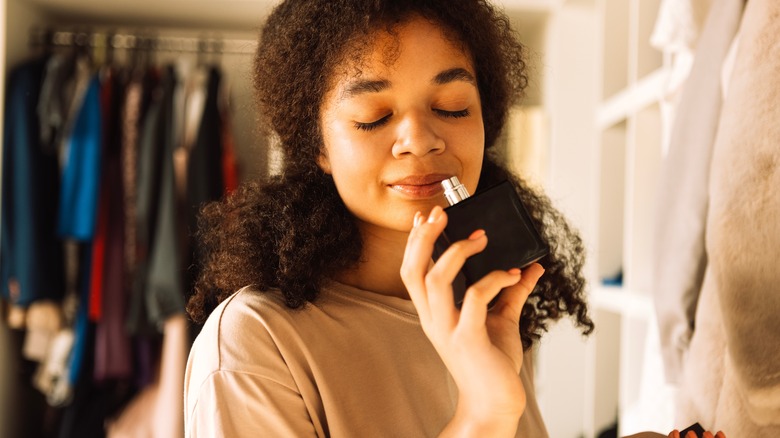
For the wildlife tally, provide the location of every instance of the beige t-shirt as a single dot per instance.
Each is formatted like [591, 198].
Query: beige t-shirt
[354, 363]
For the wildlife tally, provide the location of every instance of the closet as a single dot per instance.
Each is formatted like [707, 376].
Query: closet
[209, 69]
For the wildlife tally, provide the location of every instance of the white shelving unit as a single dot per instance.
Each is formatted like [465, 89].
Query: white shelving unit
[629, 134]
[604, 87]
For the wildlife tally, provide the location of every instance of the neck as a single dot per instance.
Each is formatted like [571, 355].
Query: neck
[379, 269]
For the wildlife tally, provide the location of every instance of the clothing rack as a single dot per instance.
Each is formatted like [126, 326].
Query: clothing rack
[139, 41]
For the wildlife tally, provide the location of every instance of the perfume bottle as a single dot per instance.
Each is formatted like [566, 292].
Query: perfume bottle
[513, 241]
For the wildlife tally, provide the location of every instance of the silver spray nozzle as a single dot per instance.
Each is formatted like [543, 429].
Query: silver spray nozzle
[454, 191]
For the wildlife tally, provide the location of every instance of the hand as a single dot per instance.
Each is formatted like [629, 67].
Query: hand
[482, 349]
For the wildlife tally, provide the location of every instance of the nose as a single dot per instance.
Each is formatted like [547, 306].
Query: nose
[417, 136]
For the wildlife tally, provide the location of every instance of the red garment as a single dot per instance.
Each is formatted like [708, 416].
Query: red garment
[98, 260]
[229, 164]
[99, 242]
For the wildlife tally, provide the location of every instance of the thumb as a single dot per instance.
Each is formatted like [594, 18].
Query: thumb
[512, 299]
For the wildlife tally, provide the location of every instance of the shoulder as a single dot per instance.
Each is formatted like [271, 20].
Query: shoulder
[237, 381]
[236, 340]
[238, 331]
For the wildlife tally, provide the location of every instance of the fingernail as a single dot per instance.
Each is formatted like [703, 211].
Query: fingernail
[514, 271]
[477, 234]
[720, 434]
[435, 214]
[417, 219]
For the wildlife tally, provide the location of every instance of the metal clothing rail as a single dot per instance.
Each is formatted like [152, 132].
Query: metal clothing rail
[141, 41]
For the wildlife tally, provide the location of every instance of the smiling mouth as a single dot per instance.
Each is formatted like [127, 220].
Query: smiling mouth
[420, 187]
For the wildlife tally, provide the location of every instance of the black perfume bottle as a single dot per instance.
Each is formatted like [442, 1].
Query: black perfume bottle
[513, 241]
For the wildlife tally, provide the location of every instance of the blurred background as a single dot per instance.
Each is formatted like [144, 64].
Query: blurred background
[592, 132]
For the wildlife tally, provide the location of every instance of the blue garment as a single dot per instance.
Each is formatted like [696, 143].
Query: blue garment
[81, 174]
[31, 255]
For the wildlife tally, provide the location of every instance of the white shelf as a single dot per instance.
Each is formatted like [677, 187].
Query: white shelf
[627, 303]
[646, 91]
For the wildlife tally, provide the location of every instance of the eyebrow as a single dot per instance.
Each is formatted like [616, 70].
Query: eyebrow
[375, 86]
[365, 86]
[454, 74]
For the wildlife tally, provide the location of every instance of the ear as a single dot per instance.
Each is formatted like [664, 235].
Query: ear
[323, 161]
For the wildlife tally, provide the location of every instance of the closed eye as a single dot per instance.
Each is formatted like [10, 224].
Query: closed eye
[368, 126]
[453, 114]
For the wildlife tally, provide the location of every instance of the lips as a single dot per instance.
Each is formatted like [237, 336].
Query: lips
[420, 186]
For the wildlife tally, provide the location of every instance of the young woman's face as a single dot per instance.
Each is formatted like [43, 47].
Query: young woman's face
[406, 118]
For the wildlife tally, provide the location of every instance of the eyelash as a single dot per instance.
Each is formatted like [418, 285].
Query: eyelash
[372, 125]
[447, 114]
[453, 114]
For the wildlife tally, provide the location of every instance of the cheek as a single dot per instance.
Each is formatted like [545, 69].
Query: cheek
[355, 164]
[353, 147]
[472, 171]
[345, 152]
[471, 155]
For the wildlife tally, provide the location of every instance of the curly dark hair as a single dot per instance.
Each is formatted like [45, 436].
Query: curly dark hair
[280, 233]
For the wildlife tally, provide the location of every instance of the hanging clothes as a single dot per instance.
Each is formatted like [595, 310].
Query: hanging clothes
[57, 92]
[119, 217]
[205, 180]
[31, 255]
[158, 291]
[230, 168]
[731, 379]
[676, 33]
[131, 117]
[679, 255]
[192, 95]
[81, 174]
[62, 92]
[113, 350]
[164, 288]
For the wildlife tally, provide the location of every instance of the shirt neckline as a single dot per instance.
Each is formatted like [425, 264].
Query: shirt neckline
[398, 304]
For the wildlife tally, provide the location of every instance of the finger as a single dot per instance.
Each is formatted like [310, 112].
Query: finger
[417, 256]
[473, 313]
[447, 267]
[720, 434]
[438, 282]
[674, 434]
[707, 434]
[510, 303]
[451, 261]
[691, 434]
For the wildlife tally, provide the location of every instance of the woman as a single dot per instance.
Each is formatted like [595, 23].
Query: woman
[342, 325]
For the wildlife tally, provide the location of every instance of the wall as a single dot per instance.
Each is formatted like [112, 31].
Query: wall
[563, 371]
